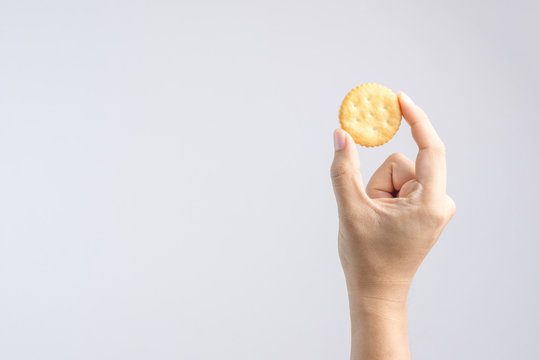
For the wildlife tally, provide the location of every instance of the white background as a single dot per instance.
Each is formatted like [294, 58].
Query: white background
[164, 175]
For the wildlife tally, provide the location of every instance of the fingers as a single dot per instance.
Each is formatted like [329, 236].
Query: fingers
[431, 159]
[388, 179]
[345, 170]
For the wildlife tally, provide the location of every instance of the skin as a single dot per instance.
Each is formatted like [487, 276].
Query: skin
[385, 231]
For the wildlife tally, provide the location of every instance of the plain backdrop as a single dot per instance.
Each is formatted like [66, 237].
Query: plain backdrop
[164, 175]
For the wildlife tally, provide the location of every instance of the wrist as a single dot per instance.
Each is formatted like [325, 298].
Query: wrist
[392, 308]
[378, 291]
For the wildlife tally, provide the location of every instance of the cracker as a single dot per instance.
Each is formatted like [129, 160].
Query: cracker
[370, 113]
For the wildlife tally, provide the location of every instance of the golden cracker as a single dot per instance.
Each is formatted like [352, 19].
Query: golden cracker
[370, 113]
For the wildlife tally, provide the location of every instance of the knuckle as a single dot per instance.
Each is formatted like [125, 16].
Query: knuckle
[438, 213]
[396, 157]
[338, 171]
[436, 148]
[441, 211]
[439, 147]
[451, 206]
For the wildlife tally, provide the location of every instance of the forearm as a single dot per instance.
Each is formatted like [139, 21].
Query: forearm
[379, 324]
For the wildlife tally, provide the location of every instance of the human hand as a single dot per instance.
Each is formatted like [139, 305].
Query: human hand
[387, 228]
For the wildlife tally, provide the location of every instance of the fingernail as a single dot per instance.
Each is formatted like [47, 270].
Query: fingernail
[339, 140]
[406, 97]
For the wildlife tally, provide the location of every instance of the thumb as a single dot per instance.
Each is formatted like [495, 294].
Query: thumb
[345, 170]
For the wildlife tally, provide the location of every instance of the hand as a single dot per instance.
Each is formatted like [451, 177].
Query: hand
[387, 228]
[385, 231]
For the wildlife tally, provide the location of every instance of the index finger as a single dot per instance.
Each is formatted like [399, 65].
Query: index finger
[431, 158]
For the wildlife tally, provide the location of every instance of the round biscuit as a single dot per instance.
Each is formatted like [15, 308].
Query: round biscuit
[370, 113]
